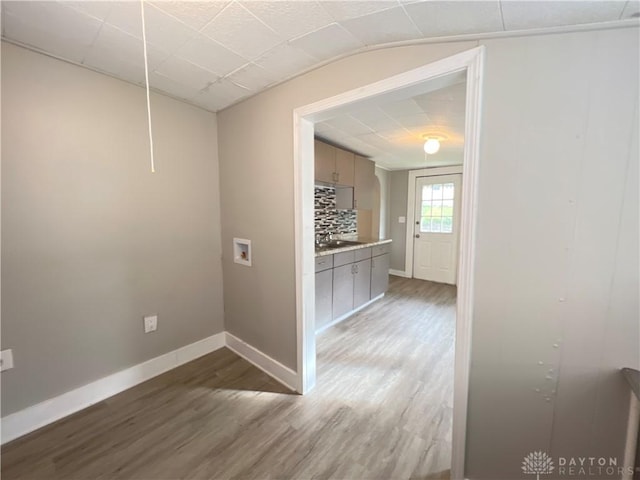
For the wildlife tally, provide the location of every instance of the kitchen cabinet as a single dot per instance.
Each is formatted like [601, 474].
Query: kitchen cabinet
[345, 168]
[324, 298]
[325, 162]
[342, 290]
[333, 165]
[345, 281]
[361, 282]
[364, 179]
[379, 274]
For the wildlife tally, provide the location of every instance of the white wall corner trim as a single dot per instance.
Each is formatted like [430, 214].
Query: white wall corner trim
[399, 273]
[268, 365]
[303, 117]
[31, 418]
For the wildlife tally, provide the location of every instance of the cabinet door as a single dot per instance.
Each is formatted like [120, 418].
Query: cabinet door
[379, 274]
[342, 290]
[324, 295]
[364, 178]
[325, 162]
[345, 167]
[362, 283]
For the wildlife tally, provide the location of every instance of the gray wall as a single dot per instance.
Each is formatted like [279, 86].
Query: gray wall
[91, 240]
[558, 122]
[256, 170]
[398, 191]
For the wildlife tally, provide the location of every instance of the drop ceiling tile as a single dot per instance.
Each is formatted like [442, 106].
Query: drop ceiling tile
[238, 30]
[441, 18]
[98, 10]
[386, 26]
[186, 73]
[519, 15]
[284, 61]
[632, 7]
[344, 10]
[252, 77]
[420, 120]
[118, 53]
[51, 27]
[348, 125]
[210, 55]
[290, 19]
[220, 94]
[171, 87]
[328, 42]
[375, 140]
[194, 14]
[162, 30]
[402, 108]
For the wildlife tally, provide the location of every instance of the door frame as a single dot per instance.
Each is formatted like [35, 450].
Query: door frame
[411, 208]
[471, 61]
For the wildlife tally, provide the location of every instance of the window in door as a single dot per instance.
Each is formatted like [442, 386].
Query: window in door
[437, 208]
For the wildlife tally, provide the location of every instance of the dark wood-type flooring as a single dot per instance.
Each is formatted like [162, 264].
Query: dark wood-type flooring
[381, 409]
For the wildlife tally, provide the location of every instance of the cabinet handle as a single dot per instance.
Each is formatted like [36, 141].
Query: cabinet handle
[356, 268]
[355, 203]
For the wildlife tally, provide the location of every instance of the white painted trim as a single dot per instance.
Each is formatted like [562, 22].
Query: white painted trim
[347, 315]
[31, 418]
[264, 362]
[411, 207]
[303, 174]
[472, 61]
[630, 445]
[466, 261]
[399, 273]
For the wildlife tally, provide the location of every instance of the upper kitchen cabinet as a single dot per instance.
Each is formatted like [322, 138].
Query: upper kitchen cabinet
[345, 170]
[364, 180]
[325, 162]
[334, 165]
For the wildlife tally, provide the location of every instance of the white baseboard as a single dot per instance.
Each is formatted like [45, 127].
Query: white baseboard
[268, 365]
[37, 416]
[399, 273]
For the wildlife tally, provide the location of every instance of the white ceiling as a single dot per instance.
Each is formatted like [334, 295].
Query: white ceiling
[391, 132]
[215, 53]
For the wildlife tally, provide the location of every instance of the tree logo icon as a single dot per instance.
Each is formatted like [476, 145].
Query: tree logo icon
[537, 463]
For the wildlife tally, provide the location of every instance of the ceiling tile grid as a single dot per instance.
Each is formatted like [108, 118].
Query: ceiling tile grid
[255, 44]
[215, 53]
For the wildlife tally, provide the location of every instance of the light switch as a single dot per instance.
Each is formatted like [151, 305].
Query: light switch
[402, 219]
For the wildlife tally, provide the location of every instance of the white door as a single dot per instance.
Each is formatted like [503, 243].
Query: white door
[436, 228]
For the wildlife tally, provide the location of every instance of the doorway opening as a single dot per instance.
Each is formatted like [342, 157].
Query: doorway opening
[405, 85]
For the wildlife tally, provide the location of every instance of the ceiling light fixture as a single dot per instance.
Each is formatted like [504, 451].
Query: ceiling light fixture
[431, 145]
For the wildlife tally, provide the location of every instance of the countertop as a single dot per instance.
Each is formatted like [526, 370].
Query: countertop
[366, 243]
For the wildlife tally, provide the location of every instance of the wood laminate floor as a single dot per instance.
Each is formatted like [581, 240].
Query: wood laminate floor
[381, 409]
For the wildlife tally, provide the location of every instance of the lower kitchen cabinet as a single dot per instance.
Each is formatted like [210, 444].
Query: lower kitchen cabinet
[324, 296]
[347, 280]
[342, 290]
[361, 282]
[379, 274]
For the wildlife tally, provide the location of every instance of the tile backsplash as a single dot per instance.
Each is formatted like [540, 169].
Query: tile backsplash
[328, 219]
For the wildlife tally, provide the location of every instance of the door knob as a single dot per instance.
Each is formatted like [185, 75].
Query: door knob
[417, 235]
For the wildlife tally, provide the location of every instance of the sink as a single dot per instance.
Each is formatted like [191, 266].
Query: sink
[342, 243]
[335, 244]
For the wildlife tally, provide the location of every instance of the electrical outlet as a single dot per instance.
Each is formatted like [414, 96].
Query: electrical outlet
[6, 360]
[150, 323]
